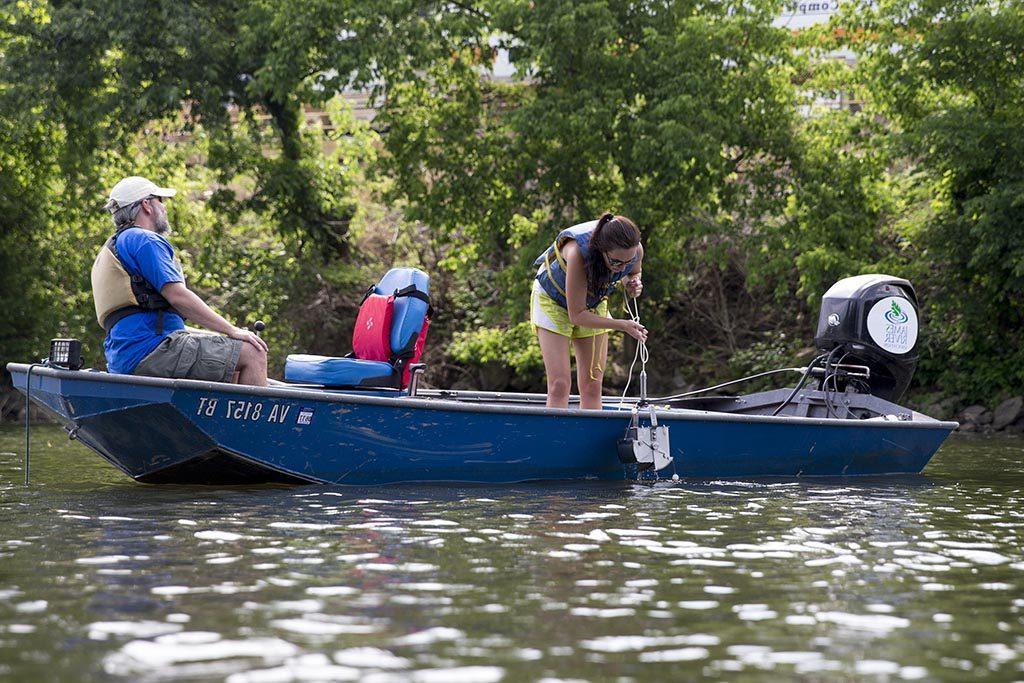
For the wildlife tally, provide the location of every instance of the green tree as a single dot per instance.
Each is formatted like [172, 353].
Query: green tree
[675, 114]
[703, 122]
[948, 79]
[207, 97]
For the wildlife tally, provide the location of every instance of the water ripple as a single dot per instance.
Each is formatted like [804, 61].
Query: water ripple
[729, 580]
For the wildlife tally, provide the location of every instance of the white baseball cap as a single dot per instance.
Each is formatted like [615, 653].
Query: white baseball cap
[132, 189]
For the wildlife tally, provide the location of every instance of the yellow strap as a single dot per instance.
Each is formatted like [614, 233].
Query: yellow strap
[547, 266]
[593, 354]
[565, 269]
[561, 259]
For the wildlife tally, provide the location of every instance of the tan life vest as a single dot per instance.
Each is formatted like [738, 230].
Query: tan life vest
[118, 294]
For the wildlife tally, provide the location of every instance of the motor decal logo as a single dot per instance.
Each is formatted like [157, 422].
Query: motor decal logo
[892, 324]
[895, 315]
[305, 416]
[833, 320]
[369, 323]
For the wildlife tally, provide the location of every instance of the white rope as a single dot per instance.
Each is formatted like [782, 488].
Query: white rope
[641, 347]
[643, 355]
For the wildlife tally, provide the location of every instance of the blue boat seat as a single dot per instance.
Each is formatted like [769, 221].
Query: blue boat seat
[334, 371]
[409, 319]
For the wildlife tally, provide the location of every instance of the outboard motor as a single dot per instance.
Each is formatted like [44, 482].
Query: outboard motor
[870, 320]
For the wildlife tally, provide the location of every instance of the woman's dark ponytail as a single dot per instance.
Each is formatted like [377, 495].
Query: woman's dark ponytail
[603, 221]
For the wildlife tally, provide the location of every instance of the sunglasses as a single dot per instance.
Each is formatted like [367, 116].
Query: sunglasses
[616, 263]
[153, 196]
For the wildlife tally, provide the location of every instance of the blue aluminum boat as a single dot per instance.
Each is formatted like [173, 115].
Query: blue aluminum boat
[361, 419]
[192, 432]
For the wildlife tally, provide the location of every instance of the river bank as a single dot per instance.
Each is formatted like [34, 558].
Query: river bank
[1005, 416]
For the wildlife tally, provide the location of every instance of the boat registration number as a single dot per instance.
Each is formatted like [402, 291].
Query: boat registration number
[252, 411]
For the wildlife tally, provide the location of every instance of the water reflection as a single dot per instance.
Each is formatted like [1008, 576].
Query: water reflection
[904, 578]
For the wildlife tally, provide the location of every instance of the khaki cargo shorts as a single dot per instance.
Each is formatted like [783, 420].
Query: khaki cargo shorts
[190, 355]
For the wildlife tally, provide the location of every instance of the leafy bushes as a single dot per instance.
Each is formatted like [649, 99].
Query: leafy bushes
[710, 126]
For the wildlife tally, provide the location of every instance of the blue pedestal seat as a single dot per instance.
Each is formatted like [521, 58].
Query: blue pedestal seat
[409, 321]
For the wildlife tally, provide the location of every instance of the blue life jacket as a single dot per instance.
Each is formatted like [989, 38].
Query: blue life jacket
[551, 265]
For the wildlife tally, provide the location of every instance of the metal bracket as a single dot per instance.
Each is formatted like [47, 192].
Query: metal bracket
[415, 370]
[646, 445]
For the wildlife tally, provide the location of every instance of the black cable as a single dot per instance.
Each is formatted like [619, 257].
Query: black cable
[695, 392]
[28, 412]
[799, 385]
[829, 374]
[829, 410]
[834, 376]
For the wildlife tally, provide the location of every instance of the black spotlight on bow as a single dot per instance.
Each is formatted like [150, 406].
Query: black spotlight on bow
[65, 353]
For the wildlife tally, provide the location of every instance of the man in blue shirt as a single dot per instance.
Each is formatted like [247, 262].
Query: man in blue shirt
[142, 301]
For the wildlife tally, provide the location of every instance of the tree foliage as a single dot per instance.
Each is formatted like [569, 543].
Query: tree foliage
[949, 80]
[715, 129]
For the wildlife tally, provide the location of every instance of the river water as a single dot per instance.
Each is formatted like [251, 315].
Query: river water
[910, 578]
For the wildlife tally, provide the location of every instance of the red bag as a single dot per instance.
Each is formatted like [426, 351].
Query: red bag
[371, 338]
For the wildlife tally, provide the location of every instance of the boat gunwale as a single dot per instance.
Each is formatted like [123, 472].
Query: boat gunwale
[453, 404]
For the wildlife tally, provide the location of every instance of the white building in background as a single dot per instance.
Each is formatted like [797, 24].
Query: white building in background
[799, 15]
[803, 14]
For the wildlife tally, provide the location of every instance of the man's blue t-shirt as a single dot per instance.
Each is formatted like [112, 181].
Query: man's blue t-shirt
[145, 253]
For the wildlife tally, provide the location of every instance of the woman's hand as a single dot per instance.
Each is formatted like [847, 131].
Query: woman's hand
[633, 329]
[633, 285]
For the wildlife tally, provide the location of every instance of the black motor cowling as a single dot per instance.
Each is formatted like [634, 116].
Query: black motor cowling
[871, 320]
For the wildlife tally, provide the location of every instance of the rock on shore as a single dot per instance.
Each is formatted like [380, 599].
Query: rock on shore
[1007, 416]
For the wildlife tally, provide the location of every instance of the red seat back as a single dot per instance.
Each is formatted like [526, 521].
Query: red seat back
[371, 337]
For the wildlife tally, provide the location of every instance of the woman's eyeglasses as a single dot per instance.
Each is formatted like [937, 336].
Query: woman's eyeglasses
[616, 263]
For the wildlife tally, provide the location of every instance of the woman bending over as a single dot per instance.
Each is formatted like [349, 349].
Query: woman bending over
[569, 302]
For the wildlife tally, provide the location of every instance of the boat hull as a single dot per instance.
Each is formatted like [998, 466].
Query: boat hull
[182, 431]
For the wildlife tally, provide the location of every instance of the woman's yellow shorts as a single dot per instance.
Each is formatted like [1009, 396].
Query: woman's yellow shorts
[547, 314]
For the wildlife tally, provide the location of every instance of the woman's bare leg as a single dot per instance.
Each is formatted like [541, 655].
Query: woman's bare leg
[555, 350]
[591, 355]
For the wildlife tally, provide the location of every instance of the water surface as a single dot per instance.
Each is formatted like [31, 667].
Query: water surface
[910, 578]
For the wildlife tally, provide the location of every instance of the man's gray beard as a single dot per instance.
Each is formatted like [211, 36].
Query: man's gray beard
[162, 225]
